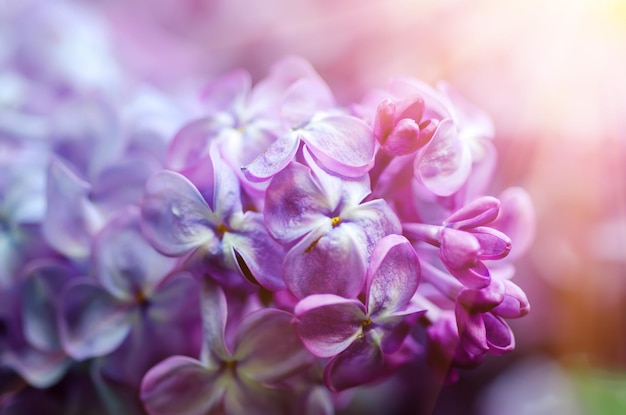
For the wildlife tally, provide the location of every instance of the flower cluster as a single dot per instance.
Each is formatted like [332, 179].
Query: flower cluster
[260, 250]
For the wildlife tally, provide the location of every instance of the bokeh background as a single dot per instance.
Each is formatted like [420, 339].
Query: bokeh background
[552, 74]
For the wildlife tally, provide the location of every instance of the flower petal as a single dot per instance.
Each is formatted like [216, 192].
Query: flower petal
[180, 385]
[226, 199]
[273, 159]
[459, 249]
[517, 220]
[478, 212]
[343, 144]
[176, 300]
[375, 219]
[294, 204]
[327, 262]
[43, 283]
[498, 333]
[261, 254]
[258, 353]
[392, 277]
[515, 303]
[71, 219]
[338, 190]
[446, 162]
[92, 322]
[404, 139]
[493, 244]
[471, 330]
[39, 369]
[484, 299]
[175, 217]
[191, 144]
[303, 99]
[360, 363]
[214, 315]
[395, 329]
[125, 263]
[328, 324]
[121, 184]
[475, 277]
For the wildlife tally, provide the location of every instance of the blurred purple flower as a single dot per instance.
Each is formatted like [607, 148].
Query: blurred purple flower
[33, 345]
[243, 377]
[131, 290]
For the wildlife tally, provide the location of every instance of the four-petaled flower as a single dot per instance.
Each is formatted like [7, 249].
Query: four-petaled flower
[362, 338]
[328, 229]
[179, 220]
[230, 379]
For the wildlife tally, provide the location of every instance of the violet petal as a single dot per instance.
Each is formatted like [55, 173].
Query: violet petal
[274, 158]
[180, 385]
[360, 363]
[258, 353]
[175, 217]
[327, 262]
[498, 333]
[125, 263]
[392, 277]
[294, 204]
[446, 162]
[478, 212]
[93, 323]
[328, 323]
[343, 144]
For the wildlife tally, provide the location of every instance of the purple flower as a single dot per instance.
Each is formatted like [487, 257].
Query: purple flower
[463, 337]
[33, 348]
[77, 209]
[178, 220]
[242, 377]
[329, 230]
[131, 291]
[464, 242]
[341, 143]
[401, 131]
[359, 337]
[479, 315]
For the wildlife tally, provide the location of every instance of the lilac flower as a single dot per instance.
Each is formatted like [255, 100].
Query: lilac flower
[242, 121]
[118, 198]
[242, 377]
[434, 134]
[92, 174]
[129, 293]
[34, 348]
[359, 337]
[479, 315]
[461, 337]
[341, 143]
[329, 231]
[177, 220]
[464, 242]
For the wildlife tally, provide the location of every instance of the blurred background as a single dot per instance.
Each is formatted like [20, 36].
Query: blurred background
[552, 74]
